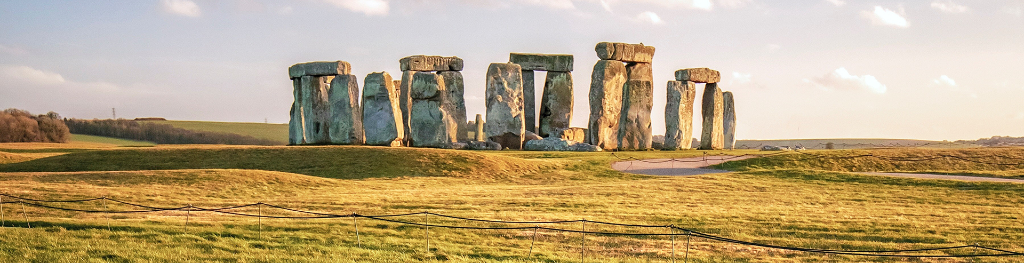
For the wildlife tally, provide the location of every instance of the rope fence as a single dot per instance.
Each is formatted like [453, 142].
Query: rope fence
[525, 226]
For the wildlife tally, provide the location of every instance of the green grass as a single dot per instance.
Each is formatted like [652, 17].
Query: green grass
[784, 206]
[840, 161]
[109, 140]
[272, 131]
[849, 143]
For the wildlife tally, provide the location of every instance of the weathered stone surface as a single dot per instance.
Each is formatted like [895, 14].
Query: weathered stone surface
[606, 103]
[699, 75]
[546, 62]
[729, 120]
[431, 63]
[504, 102]
[480, 136]
[319, 68]
[572, 134]
[346, 123]
[296, 130]
[316, 110]
[432, 126]
[398, 87]
[679, 115]
[482, 145]
[635, 122]
[639, 71]
[405, 102]
[559, 144]
[556, 103]
[455, 103]
[712, 109]
[382, 119]
[625, 52]
[455, 146]
[529, 101]
[529, 136]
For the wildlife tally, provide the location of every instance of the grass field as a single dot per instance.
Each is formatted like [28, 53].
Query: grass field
[848, 143]
[793, 204]
[109, 140]
[993, 162]
[272, 131]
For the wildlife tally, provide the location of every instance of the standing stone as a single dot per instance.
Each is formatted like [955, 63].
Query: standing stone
[635, 122]
[699, 75]
[505, 124]
[346, 123]
[530, 100]
[625, 52]
[455, 103]
[398, 88]
[480, 128]
[432, 126]
[316, 110]
[605, 103]
[572, 134]
[639, 71]
[405, 102]
[729, 120]
[712, 109]
[296, 132]
[556, 103]
[679, 115]
[382, 123]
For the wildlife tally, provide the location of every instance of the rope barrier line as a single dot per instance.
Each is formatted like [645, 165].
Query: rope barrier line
[387, 218]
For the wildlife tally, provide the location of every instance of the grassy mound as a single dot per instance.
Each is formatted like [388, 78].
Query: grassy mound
[344, 162]
[1000, 162]
[109, 140]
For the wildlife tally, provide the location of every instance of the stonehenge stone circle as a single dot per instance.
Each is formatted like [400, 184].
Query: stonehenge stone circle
[382, 123]
[319, 68]
[432, 125]
[605, 103]
[504, 100]
[405, 102]
[480, 128]
[556, 103]
[559, 144]
[729, 121]
[635, 120]
[712, 109]
[639, 71]
[316, 111]
[545, 62]
[430, 63]
[455, 103]
[346, 122]
[679, 115]
[529, 100]
[296, 129]
[699, 75]
[625, 52]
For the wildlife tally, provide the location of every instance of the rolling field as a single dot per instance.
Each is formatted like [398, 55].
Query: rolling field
[849, 143]
[791, 204]
[271, 131]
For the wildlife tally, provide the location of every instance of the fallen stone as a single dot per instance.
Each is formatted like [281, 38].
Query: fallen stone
[639, 71]
[572, 134]
[346, 123]
[432, 126]
[405, 103]
[316, 110]
[319, 68]
[559, 144]
[605, 103]
[431, 63]
[712, 110]
[455, 146]
[729, 121]
[480, 136]
[556, 103]
[546, 62]
[504, 100]
[482, 145]
[529, 101]
[382, 123]
[635, 122]
[679, 115]
[625, 52]
[455, 103]
[699, 75]
[529, 136]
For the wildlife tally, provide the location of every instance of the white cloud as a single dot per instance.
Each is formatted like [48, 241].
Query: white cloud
[740, 78]
[27, 78]
[650, 17]
[733, 3]
[944, 81]
[368, 7]
[702, 4]
[949, 7]
[287, 10]
[837, 2]
[553, 4]
[1013, 11]
[886, 17]
[773, 47]
[841, 79]
[12, 50]
[180, 7]
[607, 6]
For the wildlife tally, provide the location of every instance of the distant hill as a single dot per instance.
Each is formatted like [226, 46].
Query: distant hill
[269, 131]
[851, 143]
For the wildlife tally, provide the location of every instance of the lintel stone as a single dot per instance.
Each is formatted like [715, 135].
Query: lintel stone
[320, 68]
[625, 52]
[545, 62]
[699, 75]
[431, 63]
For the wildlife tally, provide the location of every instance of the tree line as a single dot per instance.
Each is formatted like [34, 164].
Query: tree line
[158, 133]
[21, 126]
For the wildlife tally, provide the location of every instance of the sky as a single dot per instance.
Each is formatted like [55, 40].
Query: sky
[938, 70]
